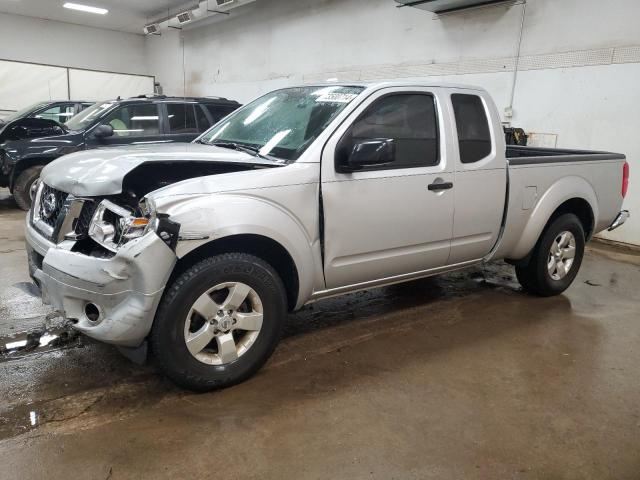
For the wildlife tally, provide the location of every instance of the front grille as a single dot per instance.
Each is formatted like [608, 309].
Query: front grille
[50, 205]
[81, 226]
[58, 215]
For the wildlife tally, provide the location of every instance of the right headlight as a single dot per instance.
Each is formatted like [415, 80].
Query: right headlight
[112, 225]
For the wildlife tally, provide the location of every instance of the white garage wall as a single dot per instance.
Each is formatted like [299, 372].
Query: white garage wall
[581, 61]
[27, 39]
[29, 49]
[106, 86]
[22, 84]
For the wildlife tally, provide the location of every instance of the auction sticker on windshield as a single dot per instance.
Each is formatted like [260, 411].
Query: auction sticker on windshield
[336, 97]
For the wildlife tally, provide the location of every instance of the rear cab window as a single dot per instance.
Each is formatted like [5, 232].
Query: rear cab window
[474, 135]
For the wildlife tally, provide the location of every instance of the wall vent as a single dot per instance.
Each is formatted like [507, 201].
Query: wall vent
[151, 29]
[222, 3]
[184, 17]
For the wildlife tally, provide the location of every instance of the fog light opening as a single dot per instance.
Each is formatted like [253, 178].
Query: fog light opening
[92, 311]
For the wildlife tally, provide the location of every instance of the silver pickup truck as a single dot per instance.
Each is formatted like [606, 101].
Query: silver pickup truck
[308, 192]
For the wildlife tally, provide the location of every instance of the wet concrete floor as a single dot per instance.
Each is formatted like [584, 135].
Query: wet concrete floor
[458, 376]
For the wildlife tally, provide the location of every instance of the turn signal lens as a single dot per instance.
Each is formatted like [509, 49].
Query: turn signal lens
[625, 179]
[139, 222]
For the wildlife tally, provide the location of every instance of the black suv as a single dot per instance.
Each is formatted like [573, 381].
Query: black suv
[139, 120]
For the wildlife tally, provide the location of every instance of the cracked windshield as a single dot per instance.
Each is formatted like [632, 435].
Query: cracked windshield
[282, 124]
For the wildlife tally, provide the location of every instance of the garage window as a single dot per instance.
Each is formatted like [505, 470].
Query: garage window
[474, 138]
[182, 118]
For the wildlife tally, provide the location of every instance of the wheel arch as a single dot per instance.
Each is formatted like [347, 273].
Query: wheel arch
[263, 247]
[568, 195]
[24, 164]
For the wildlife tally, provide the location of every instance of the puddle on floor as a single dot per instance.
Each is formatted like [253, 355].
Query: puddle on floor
[19, 345]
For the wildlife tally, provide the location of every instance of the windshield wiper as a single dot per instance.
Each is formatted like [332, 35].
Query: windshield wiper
[243, 148]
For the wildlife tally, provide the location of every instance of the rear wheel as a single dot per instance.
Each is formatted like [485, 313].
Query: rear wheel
[556, 258]
[22, 187]
[219, 322]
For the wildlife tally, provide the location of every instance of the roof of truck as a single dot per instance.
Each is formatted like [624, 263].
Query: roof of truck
[392, 83]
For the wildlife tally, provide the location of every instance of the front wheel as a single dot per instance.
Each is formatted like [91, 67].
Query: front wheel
[219, 321]
[556, 258]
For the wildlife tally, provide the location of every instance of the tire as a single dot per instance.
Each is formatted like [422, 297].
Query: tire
[541, 276]
[178, 319]
[22, 187]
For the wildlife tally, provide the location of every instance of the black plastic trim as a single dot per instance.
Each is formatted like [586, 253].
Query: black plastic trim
[537, 155]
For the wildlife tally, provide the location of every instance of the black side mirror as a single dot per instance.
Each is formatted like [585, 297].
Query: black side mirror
[372, 153]
[103, 131]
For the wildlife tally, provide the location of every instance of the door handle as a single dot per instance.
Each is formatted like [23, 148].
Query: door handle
[440, 186]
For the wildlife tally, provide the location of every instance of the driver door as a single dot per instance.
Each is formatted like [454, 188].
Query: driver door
[386, 221]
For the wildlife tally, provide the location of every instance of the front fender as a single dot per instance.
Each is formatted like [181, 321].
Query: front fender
[206, 218]
[566, 188]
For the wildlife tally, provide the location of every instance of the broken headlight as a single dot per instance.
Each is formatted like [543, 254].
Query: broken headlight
[112, 225]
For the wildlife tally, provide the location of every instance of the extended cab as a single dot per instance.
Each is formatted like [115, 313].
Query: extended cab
[140, 120]
[305, 193]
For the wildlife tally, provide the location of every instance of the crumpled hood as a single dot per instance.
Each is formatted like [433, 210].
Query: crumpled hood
[101, 172]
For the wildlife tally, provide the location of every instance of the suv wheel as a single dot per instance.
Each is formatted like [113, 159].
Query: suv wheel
[22, 187]
[219, 321]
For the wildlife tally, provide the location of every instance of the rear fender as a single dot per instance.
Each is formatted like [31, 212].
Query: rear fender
[566, 188]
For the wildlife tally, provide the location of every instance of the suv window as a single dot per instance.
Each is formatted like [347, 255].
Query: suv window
[59, 113]
[474, 137]
[134, 121]
[218, 112]
[410, 120]
[201, 118]
[182, 118]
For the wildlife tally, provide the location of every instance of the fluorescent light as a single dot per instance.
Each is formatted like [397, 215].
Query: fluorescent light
[85, 8]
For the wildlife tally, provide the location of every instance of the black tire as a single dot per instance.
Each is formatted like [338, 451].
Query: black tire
[22, 187]
[535, 277]
[168, 338]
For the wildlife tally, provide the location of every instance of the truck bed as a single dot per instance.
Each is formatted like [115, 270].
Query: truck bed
[518, 155]
[540, 179]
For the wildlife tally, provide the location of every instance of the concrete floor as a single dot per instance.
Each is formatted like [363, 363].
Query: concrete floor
[459, 376]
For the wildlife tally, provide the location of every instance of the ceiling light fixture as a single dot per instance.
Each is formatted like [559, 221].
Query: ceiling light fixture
[85, 8]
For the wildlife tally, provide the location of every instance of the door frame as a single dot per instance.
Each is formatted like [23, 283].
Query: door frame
[493, 169]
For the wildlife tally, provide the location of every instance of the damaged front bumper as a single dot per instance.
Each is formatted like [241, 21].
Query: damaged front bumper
[114, 299]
